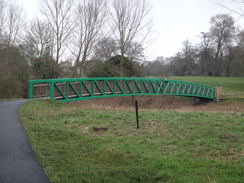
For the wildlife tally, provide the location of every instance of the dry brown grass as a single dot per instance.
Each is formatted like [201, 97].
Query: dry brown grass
[158, 103]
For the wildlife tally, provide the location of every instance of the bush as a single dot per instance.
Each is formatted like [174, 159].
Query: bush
[97, 73]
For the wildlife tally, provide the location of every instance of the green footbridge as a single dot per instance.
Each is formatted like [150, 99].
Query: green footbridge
[73, 89]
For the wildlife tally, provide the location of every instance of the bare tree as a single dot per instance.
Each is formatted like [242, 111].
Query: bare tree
[12, 22]
[130, 22]
[238, 66]
[205, 54]
[89, 24]
[106, 48]
[59, 14]
[222, 31]
[233, 52]
[39, 39]
[13, 68]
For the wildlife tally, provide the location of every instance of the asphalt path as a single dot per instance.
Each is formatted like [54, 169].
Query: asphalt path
[18, 163]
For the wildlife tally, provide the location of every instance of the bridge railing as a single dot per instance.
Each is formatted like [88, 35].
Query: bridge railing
[87, 88]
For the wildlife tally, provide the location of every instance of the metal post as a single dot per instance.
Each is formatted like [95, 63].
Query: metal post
[67, 89]
[52, 90]
[30, 90]
[137, 118]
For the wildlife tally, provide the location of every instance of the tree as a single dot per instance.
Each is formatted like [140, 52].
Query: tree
[59, 14]
[14, 23]
[237, 63]
[131, 68]
[184, 62]
[90, 17]
[94, 68]
[236, 7]
[130, 22]
[222, 31]
[158, 67]
[45, 68]
[14, 73]
[135, 52]
[205, 54]
[189, 58]
[38, 48]
[230, 52]
[11, 22]
[106, 48]
[39, 39]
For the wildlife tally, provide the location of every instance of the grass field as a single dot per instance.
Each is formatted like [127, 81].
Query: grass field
[170, 146]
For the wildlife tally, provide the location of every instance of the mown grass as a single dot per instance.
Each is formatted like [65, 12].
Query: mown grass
[169, 146]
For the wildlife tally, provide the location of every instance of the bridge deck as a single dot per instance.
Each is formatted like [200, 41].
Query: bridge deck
[88, 88]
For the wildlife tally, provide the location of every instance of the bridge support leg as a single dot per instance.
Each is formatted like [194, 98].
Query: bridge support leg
[30, 90]
[52, 90]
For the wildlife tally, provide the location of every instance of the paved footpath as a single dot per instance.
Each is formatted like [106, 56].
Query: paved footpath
[18, 163]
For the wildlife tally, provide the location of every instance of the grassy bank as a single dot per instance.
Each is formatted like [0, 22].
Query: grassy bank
[169, 147]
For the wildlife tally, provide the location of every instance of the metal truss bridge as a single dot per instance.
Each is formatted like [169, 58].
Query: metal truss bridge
[73, 89]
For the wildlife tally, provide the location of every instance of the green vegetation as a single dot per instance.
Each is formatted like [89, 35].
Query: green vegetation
[169, 147]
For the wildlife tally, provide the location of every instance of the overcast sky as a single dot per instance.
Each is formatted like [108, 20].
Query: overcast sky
[174, 22]
[178, 20]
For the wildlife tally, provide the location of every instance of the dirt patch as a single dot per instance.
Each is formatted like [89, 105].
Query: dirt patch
[100, 128]
[228, 138]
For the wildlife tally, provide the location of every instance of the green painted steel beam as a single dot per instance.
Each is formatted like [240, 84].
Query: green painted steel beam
[30, 90]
